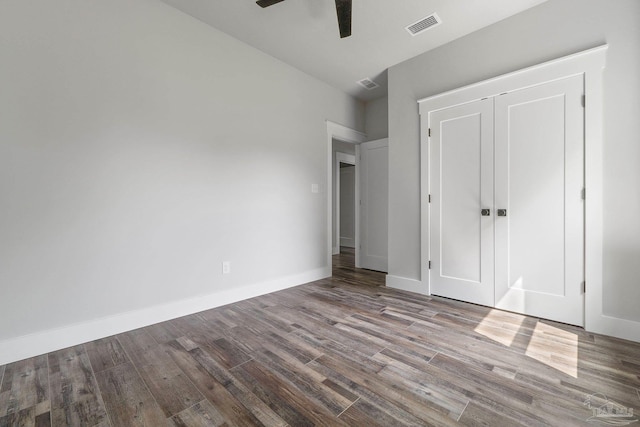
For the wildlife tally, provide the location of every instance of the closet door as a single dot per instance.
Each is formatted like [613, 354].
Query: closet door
[461, 188]
[539, 170]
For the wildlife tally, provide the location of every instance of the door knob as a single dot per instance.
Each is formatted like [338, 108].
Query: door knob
[502, 212]
[485, 212]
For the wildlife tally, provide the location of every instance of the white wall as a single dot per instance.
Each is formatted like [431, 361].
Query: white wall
[551, 30]
[348, 206]
[139, 148]
[376, 119]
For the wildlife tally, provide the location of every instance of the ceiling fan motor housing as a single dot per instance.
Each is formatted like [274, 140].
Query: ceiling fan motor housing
[343, 10]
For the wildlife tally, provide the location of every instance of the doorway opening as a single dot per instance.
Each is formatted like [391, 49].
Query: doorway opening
[346, 211]
[345, 214]
[370, 159]
[347, 140]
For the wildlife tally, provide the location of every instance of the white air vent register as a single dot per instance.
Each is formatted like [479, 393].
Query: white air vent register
[368, 84]
[424, 24]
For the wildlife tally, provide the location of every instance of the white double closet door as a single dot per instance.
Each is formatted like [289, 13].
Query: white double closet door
[506, 177]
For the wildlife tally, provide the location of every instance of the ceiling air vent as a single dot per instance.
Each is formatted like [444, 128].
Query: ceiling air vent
[424, 24]
[368, 84]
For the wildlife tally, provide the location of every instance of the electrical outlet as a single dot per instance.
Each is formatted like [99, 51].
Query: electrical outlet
[226, 267]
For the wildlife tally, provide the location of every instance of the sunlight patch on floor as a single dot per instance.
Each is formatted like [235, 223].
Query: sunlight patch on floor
[554, 347]
[547, 344]
[492, 327]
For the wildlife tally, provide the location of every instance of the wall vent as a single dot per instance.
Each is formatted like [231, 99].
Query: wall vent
[368, 84]
[424, 24]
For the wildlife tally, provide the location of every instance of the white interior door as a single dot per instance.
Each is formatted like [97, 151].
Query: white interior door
[461, 187]
[539, 170]
[374, 198]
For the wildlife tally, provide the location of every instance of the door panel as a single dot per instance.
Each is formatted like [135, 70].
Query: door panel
[374, 211]
[461, 185]
[460, 193]
[539, 180]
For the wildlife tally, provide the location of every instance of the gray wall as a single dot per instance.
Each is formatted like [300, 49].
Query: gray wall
[551, 30]
[376, 119]
[139, 148]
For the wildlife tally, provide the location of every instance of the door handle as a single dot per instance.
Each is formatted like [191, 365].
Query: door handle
[502, 212]
[485, 212]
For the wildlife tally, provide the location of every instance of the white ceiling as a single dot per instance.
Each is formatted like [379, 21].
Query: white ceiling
[304, 33]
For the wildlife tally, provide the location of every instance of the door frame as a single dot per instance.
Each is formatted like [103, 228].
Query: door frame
[344, 134]
[589, 63]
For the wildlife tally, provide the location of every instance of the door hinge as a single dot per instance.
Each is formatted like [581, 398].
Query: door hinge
[584, 100]
[429, 198]
[429, 132]
[584, 287]
[429, 265]
[584, 194]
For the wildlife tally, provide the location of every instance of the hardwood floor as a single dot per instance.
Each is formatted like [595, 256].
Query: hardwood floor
[340, 351]
[344, 270]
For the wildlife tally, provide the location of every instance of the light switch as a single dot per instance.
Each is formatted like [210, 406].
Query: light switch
[314, 188]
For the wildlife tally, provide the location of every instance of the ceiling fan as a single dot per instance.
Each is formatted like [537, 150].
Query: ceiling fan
[343, 8]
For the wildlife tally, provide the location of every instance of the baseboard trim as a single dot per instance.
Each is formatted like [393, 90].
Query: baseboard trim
[616, 327]
[23, 347]
[405, 284]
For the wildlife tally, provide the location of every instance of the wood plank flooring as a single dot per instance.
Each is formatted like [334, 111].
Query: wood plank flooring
[344, 351]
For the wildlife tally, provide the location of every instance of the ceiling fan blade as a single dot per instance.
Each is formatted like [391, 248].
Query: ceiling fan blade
[343, 8]
[267, 3]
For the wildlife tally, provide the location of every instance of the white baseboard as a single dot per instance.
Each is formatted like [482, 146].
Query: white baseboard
[615, 327]
[43, 342]
[405, 284]
[335, 250]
